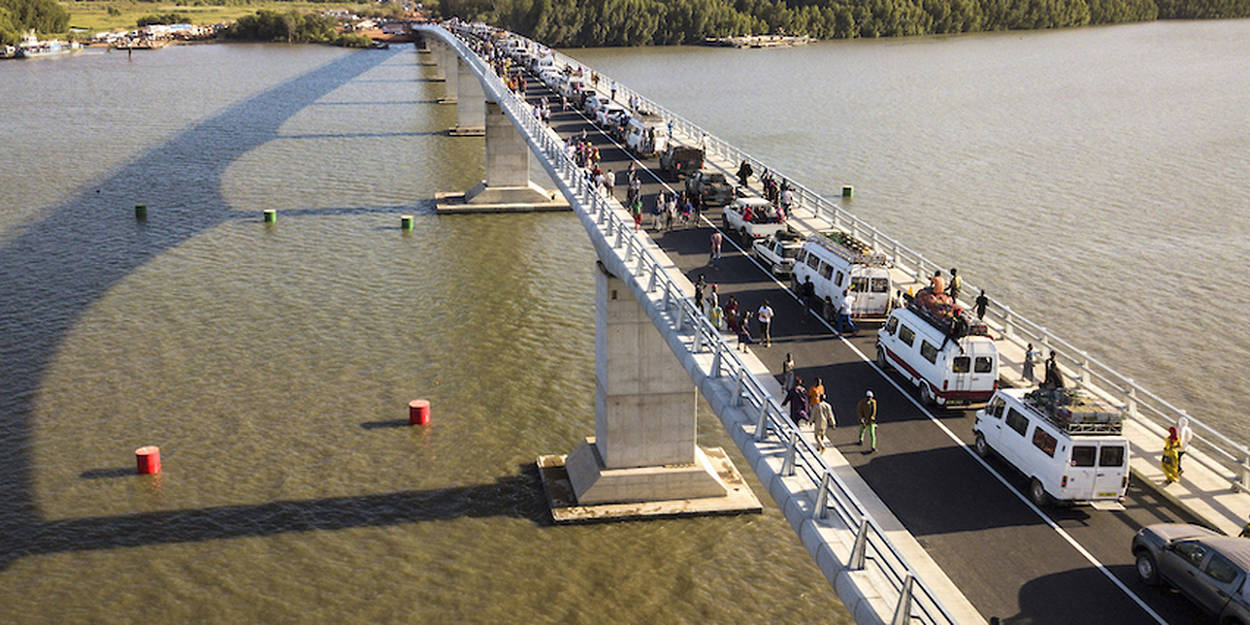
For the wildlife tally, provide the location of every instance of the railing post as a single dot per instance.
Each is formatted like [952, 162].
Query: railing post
[1132, 399]
[655, 271]
[787, 465]
[761, 422]
[668, 302]
[1245, 470]
[1007, 330]
[859, 551]
[738, 398]
[822, 496]
[1084, 370]
[1046, 343]
[902, 610]
[716, 357]
[698, 338]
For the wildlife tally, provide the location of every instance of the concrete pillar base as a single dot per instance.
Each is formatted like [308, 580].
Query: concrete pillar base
[467, 131]
[484, 199]
[593, 483]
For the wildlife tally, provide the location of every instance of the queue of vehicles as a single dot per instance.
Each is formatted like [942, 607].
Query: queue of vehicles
[1068, 445]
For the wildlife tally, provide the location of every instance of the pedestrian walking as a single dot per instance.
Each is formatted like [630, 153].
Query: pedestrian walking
[866, 410]
[797, 400]
[716, 241]
[609, 183]
[1031, 356]
[823, 420]
[699, 286]
[765, 315]
[717, 317]
[635, 209]
[787, 370]
[981, 303]
[808, 291]
[1184, 435]
[744, 173]
[844, 315]
[956, 284]
[1171, 460]
[711, 299]
[815, 392]
[744, 330]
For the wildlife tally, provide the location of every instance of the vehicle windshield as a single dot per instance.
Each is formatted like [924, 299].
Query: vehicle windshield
[789, 252]
[715, 178]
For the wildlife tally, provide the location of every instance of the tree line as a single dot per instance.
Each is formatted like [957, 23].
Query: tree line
[292, 27]
[19, 16]
[661, 22]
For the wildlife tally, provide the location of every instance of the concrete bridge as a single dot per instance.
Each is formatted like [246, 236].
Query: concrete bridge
[924, 531]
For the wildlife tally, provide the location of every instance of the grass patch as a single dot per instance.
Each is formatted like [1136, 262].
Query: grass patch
[94, 15]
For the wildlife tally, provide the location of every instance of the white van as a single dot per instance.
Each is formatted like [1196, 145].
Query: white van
[834, 261]
[646, 135]
[571, 87]
[1068, 445]
[542, 63]
[961, 370]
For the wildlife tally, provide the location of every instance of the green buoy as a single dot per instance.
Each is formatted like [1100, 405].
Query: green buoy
[141, 211]
[847, 191]
[405, 222]
[271, 215]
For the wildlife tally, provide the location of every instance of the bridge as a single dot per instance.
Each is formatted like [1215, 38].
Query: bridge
[922, 531]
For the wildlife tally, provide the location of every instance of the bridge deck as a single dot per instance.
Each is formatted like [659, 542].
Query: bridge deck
[1008, 559]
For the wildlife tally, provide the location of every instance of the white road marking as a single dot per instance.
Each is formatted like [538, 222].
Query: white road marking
[906, 393]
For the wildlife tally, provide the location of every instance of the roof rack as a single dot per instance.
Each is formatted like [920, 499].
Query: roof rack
[939, 312]
[1075, 411]
[849, 248]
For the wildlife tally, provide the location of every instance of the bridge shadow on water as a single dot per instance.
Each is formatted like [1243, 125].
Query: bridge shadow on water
[54, 269]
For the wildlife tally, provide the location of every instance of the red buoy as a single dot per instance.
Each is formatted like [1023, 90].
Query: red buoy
[419, 412]
[148, 459]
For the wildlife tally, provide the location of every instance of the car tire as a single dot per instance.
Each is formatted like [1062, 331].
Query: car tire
[1147, 569]
[926, 395]
[982, 447]
[1037, 494]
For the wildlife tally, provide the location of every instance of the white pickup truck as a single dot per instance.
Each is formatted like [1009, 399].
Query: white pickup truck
[763, 221]
[778, 251]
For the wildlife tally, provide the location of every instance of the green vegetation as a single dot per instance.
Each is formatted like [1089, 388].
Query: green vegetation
[99, 15]
[164, 18]
[292, 27]
[18, 16]
[659, 22]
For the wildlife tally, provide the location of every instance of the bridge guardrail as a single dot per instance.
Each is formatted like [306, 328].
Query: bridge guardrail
[1227, 457]
[872, 546]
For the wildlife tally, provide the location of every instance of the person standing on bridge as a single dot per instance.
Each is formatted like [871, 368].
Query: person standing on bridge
[744, 173]
[1184, 435]
[844, 315]
[866, 410]
[981, 303]
[816, 392]
[1031, 357]
[1054, 378]
[797, 400]
[1171, 459]
[609, 183]
[635, 209]
[787, 371]
[956, 284]
[716, 241]
[744, 330]
[699, 285]
[765, 315]
[823, 420]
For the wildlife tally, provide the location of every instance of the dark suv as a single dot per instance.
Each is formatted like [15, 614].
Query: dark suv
[1207, 567]
[679, 160]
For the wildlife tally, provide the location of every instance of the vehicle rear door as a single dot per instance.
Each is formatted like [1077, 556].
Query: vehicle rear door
[983, 372]
[1112, 467]
[1081, 469]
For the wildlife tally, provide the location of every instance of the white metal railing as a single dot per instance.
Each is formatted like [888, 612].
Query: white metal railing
[1228, 458]
[872, 547]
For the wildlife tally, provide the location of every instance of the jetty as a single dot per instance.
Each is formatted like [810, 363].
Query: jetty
[758, 41]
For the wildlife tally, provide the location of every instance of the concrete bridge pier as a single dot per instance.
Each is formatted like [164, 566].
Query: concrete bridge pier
[433, 59]
[643, 459]
[470, 103]
[448, 61]
[507, 187]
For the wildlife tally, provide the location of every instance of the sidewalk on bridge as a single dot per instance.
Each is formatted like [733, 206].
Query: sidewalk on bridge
[1203, 491]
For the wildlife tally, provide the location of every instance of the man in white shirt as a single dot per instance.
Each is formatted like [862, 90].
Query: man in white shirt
[844, 316]
[765, 316]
